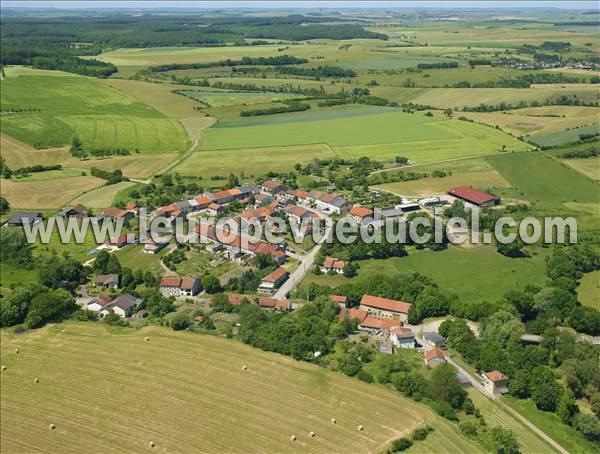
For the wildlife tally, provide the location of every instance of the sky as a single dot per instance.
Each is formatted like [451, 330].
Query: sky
[78, 4]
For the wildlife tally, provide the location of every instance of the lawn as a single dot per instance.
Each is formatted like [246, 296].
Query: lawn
[541, 179]
[132, 257]
[102, 197]
[551, 424]
[46, 193]
[183, 390]
[472, 274]
[356, 135]
[250, 161]
[47, 111]
[588, 292]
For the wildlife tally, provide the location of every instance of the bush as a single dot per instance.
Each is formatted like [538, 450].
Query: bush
[365, 376]
[468, 428]
[444, 409]
[421, 433]
[588, 425]
[180, 321]
[401, 444]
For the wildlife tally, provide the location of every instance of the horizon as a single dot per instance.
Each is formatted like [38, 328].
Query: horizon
[304, 4]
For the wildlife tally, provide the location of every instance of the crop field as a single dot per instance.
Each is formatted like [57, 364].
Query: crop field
[588, 292]
[47, 111]
[460, 97]
[479, 266]
[529, 173]
[590, 167]
[564, 137]
[211, 403]
[390, 128]
[52, 193]
[222, 99]
[251, 161]
[102, 197]
[535, 121]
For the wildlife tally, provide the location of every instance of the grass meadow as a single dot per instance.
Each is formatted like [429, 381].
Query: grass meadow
[102, 197]
[588, 292]
[566, 136]
[590, 167]
[47, 111]
[201, 397]
[466, 272]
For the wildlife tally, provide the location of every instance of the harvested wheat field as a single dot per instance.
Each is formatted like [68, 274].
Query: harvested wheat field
[112, 391]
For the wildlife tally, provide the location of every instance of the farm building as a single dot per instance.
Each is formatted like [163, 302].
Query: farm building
[357, 314]
[116, 214]
[78, 210]
[153, 247]
[236, 300]
[495, 382]
[179, 286]
[21, 218]
[275, 304]
[214, 209]
[376, 324]
[434, 357]
[273, 281]
[117, 242]
[273, 187]
[333, 264]
[385, 307]
[474, 196]
[122, 305]
[339, 299]
[402, 337]
[359, 213]
[429, 201]
[202, 201]
[435, 339]
[262, 199]
[107, 281]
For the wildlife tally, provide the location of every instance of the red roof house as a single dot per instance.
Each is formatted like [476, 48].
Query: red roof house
[474, 196]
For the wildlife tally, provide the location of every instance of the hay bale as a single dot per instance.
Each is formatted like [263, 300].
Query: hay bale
[333, 421]
[17, 351]
[3, 367]
[312, 435]
[360, 428]
[52, 427]
[244, 367]
[293, 438]
[151, 444]
[35, 380]
[146, 339]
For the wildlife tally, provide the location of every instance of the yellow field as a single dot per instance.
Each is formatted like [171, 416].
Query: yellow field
[530, 121]
[109, 392]
[432, 185]
[46, 193]
[589, 166]
[18, 154]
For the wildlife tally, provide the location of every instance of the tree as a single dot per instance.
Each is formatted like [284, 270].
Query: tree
[518, 385]
[211, 284]
[106, 263]
[350, 270]
[444, 386]
[512, 249]
[13, 308]
[595, 403]
[4, 205]
[588, 425]
[180, 321]
[503, 441]
[14, 248]
[52, 306]
[401, 444]
[502, 326]
[567, 407]
[546, 395]
[448, 113]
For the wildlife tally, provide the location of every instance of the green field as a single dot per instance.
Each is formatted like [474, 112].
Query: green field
[222, 99]
[550, 423]
[108, 390]
[563, 137]
[133, 257]
[465, 272]
[102, 197]
[529, 174]
[389, 134]
[588, 292]
[47, 111]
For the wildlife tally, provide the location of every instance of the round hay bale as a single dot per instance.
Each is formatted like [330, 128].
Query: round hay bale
[146, 339]
[35, 380]
[360, 428]
[293, 438]
[151, 444]
[244, 367]
[3, 367]
[333, 421]
[17, 351]
[52, 427]
[312, 435]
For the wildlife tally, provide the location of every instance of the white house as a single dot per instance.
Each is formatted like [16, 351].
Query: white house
[495, 382]
[402, 337]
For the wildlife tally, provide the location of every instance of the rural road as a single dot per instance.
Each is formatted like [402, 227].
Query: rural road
[306, 262]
